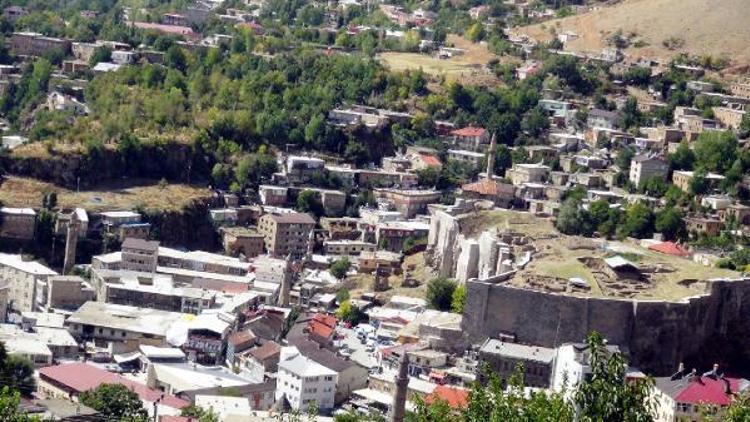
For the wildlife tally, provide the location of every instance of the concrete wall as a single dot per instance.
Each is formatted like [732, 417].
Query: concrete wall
[657, 335]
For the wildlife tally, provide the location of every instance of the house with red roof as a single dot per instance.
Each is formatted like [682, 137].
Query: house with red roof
[684, 395]
[70, 380]
[321, 328]
[470, 138]
[456, 397]
[670, 248]
[501, 194]
[184, 31]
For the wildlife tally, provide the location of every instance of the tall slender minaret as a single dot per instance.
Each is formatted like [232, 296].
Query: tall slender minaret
[491, 157]
[398, 409]
[71, 243]
[286, 283]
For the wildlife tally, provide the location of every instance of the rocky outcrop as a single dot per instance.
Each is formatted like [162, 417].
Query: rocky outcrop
[461, 258]
[173, 161]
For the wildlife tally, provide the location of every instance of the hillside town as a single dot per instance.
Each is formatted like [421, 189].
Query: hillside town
[256, 210]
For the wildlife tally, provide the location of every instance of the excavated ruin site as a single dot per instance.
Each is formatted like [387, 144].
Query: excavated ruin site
[582, 266]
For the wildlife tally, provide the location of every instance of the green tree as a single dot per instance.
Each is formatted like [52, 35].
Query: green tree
[639, 222]
[599, 211]
[743, 131]
[503, 160]
[606, 395]
[572, 219]
[309, 201]
[315, 129]
[683, 158]
[654, 186]
[699, 183]
[493, 402]
[17, 373]
[624, 157]
[535, 122]
[440, 293]
[476, 32]
[340, 267]
[740, 258]
[101, 54]
[10, 402]
[715, 151]
[342, 295]
[199, 413]
[115, 402]
[630, 116]
[458, 300]
[175, 58]
[739, 410]
[350, 313]
[670, 224]
[428, 176]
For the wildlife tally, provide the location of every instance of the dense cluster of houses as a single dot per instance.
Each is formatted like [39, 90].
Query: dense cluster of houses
[252, 331]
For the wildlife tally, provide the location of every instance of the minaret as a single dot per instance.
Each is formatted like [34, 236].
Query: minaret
[286, 281]
[491, 157]
[398, 409]
[71, 243]
[310, 245]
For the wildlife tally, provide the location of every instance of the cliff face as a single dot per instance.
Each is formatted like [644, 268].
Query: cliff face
[657, 335]
[171, 160]
[189, 227]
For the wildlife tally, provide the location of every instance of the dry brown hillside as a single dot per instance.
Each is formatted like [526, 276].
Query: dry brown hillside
[708, 27]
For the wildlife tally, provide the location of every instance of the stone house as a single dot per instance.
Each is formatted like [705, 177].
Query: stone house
[704, 225]
[644, 167]
[501, 194]
[504, 358]
[527, 173]
[286, 234]
[17, 223]
[242, 240]
[602, 118]
[470, 138]
[740, 212]
[683, 178]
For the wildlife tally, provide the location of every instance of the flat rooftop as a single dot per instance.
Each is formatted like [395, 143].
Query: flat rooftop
[126, 318]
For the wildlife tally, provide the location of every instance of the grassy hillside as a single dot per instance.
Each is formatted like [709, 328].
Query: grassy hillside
[705, 27]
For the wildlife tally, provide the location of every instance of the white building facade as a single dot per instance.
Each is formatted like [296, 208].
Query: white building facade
[304, 382]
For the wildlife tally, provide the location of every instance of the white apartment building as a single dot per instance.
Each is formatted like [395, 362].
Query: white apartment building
[22, 278]
[302, 381]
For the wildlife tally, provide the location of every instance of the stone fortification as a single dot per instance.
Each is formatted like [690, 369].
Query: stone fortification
[656, 334]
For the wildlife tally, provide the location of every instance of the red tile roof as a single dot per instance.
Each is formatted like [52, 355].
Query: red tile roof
[430, 160]
[488, 187]
[669, 248]
[167, 418]
[468, 131]
[241, 337]
[706, 390]
[320, 329]
[455, 397]
[81, 377]
[328, 320]
[168, 29]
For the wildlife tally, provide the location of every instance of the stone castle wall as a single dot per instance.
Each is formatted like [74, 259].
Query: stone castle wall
[655, 334]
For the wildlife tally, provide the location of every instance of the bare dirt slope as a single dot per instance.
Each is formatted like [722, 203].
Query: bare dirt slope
[708, 27]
